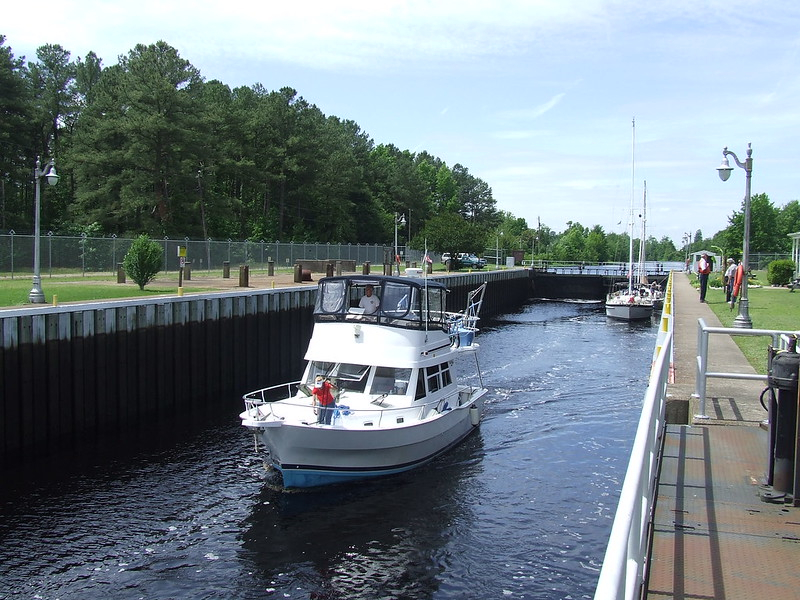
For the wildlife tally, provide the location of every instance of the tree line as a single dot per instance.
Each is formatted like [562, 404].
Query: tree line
[147, 145]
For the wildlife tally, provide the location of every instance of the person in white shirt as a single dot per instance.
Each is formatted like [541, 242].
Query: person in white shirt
[369, 302]
[730, 275]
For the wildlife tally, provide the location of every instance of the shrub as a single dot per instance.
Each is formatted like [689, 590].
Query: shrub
[780, 272]
[143, 260]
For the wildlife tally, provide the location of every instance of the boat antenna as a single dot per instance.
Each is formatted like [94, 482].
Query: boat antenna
[427, 305]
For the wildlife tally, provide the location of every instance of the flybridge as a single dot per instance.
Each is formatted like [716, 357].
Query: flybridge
[402, 301]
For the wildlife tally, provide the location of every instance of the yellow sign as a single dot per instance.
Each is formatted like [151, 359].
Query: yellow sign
[182, 251]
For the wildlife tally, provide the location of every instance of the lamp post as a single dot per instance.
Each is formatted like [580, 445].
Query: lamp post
[36, 296]
[687, 240]
[398, 220]
[742, 320]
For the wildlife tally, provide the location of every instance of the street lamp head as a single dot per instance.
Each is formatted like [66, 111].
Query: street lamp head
[402, 220]
[52, 177]
[725, 168]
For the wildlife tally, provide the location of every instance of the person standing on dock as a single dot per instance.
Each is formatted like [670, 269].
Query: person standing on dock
[703, 270]
[736, 286]
[730, 273]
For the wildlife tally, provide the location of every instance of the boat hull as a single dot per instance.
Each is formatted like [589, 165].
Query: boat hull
[629, 311]
[314, 455]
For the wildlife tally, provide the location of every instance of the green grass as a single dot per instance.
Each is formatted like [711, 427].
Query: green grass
[70, 287]
[14, 292]
[769, 308]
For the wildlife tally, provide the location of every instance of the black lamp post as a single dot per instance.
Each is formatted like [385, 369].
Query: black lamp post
[36, 296]
[742, 320]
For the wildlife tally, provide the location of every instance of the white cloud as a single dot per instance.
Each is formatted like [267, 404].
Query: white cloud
[533, 96]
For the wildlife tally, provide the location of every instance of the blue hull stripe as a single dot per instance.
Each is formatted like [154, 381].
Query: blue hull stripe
[313, 475]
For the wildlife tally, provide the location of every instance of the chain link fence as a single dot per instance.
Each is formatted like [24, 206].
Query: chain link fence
[102, 255]
[759, 261]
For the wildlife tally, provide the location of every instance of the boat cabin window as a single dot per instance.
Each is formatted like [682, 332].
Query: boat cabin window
[345, 376]
[435, 305]
[401, 304]
[434, 383]
[401, 301]
[446, 377]
[420, 387]
[389, 380]
[331, 296]
[438, 376]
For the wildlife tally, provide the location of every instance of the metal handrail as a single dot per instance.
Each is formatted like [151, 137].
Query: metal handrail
[622, 574]
[623, 568]
[253, 401]
[780, 340]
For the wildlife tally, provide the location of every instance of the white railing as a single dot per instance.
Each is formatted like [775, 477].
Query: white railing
[780, 340]
[280, 401]
[624, 563]
[623, 570]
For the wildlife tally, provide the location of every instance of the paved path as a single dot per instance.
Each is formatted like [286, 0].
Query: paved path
[713, 535]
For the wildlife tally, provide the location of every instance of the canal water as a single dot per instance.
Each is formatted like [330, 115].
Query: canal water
[521, 509]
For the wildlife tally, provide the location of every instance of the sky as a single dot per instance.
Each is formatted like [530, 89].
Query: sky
[537, 98]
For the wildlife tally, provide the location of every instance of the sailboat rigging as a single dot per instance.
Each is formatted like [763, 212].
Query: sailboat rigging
[630, 303]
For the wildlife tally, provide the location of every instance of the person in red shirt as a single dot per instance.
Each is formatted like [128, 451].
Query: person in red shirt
[703, 269]
[324, 398]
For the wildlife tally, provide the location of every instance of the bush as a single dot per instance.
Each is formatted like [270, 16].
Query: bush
[715, 281]
[780, 272]
[143, 260]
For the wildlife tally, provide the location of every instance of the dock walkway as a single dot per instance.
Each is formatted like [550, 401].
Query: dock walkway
[713, 535]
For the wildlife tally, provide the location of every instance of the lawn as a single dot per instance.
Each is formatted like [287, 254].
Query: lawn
[773, 308]
[14, 292]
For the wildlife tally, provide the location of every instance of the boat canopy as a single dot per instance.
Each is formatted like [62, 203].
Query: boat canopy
[403, 302]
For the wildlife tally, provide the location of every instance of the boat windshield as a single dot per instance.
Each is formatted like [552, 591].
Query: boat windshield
[345, 376]
[387, 301]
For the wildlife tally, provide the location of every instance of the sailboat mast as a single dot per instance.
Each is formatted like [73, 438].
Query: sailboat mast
[643, 241]
[633, 184]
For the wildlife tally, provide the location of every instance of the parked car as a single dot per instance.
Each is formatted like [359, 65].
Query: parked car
[463, 260]
[471, 261]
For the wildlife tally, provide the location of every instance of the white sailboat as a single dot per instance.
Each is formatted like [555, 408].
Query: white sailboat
[630, 303]
[652, 289]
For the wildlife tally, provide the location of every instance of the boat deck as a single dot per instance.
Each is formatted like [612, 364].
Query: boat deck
[713, 535]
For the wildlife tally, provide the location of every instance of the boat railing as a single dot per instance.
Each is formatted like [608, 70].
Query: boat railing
[290, 402]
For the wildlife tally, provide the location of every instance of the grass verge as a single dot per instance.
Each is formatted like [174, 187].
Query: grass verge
[769, 308]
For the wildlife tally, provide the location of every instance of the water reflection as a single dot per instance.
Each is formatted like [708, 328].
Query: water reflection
[376, 539]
